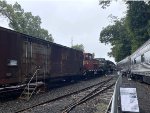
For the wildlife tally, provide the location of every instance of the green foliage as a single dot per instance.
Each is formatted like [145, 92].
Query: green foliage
[79, 47]
[104, 4]
[118, 37]
[137, 18]
[129, 33]
[23, 22]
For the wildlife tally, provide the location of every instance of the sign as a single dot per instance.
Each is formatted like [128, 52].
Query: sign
[12, 63]
[129, 102]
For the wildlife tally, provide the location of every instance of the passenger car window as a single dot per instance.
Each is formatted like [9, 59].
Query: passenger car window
[142, 58]
[134, 61]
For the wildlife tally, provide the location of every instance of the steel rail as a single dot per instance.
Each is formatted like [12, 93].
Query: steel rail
[66, 95]
[84, 99]
[89, 94]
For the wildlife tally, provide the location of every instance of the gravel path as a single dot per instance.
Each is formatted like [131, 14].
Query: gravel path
[15, 105]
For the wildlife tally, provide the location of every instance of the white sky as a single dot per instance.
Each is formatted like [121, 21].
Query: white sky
[80, 20]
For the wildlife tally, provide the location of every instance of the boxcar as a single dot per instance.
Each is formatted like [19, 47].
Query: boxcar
[21, 55]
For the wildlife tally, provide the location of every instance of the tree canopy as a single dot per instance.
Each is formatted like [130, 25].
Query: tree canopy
[129, 33]
[79, 47]
[138, 21]
[22, 21]
[118, 37]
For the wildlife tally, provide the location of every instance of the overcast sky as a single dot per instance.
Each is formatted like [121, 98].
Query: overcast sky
[80, 20]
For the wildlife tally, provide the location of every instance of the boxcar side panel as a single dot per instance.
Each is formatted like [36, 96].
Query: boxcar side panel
[55, 61]
[9, 58]
[65, 61]
[35, 55]
[22, 54]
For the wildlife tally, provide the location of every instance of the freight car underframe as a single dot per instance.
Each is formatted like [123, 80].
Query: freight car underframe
[93, 72]
[49, 81]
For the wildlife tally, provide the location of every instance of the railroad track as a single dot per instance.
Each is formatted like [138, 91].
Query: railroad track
[98, 85]
[100, 89]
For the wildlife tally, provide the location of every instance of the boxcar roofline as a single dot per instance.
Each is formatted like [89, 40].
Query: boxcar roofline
[36, 39]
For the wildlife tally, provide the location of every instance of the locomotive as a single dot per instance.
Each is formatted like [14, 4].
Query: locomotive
[106, 66]
[90, 65]
[137, 65]
[97, 66]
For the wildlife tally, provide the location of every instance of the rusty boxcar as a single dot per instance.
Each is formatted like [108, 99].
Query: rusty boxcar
[21, 54]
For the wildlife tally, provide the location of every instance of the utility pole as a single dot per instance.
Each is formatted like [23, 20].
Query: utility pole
[71, 41]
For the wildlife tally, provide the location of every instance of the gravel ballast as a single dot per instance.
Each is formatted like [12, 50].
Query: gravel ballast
[15, 105]
[97, 104]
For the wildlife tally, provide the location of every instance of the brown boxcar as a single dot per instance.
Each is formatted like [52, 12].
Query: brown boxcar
[21, 54]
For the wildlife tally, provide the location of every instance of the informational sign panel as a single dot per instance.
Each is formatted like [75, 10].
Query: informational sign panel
[129, 101]
[12, 62]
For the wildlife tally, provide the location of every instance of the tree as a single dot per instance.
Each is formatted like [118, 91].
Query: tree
[79, 47]
[129, 33]
[117, 36]
[104, 4]
[23, 22]
[138, 22]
